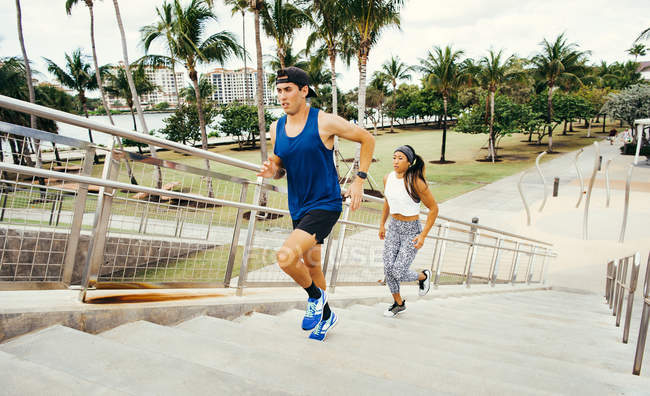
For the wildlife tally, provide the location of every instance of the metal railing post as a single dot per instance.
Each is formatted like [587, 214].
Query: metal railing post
[612, 293]
[643, 327]
[542, 276]
[531, 261]
[471, 257]
[235, 237]
[77, 219]
[494, 263]
[608, 280]
[515, 262]
[609, 161]
[441, 255]
[328, 251]
[582, 184]
[628, 183]
[630, 297]
[539, 170]
[523, 199]
[250, 236]
[100, 227]
[339, 247]
[585, 223]
[621, 294]
[435, 250]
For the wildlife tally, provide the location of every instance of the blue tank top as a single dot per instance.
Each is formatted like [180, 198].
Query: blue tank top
[312, 180]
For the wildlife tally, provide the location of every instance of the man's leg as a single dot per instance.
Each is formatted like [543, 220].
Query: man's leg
[312, 261]
[288, 256]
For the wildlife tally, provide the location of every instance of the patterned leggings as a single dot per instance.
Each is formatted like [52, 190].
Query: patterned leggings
[399, 252]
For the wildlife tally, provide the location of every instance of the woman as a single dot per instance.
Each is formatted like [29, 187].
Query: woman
[404, 189]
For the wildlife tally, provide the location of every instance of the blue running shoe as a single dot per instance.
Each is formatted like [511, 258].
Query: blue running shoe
[323, 327]
[314, 311]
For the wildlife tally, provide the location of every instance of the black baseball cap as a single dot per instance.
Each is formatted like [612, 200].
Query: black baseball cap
[294, 75]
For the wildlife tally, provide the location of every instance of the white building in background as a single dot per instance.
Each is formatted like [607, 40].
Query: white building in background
[230, 86]
[644, 69]
[163, 78]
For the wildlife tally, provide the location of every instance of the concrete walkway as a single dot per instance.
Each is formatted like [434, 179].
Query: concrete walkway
[581, 263]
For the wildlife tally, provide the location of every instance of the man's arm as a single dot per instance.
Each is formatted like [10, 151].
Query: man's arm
[335, 125]
[272, 168]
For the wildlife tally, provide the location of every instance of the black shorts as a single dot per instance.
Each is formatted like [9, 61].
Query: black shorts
[319, 222]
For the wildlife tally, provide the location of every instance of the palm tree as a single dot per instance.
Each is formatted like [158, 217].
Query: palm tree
[30, 85]
[78, 76]
[368, 18]
[98, 76]
[191, 48]
[558, 62]
[134, 92]
[395, 70]
[257, 6]
[495, 72]
[289, 59]
[205, 90]
[443, 72]
[637, 50]
[118, 86]
[280, 21]
[328, 23]
[645, 35]
[163, 27]
[241, 6]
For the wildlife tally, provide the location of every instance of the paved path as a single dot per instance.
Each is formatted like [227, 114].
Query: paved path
[581, 262]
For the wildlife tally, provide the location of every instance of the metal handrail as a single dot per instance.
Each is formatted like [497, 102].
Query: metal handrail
[628, 183]
[609, 161]
[61, 116]
[523, 199]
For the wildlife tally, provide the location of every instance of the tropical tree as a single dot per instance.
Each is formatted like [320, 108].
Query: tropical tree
[163, 27]
[444, 73]
[645, 35]
[629, 105]
[257, 6]
[78, 76]
[290, 59]
[118, 86]
[558, 62]
[241, 6]
[190, 47]
[280, 20]
[28, 76]
[134, 92]
[205, 91]
[395, 70]
[495, 71]
[637, 50]
[368, 19]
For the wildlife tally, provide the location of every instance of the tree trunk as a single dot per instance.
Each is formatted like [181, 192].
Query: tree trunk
[604, 119]
[204, 135]
[361, 103]
[392, 110]
[243, 36]
[564, 130]
[261, 123]
[571, 126]
[491, 143]
[444, 130]
[550, 118]
[98, 77]
[134, 92]
[331, 52]
[82, 99]
[588, 128]
[135, 127]
[30, 85]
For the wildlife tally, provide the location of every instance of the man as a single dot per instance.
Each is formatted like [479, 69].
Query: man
[303, 142]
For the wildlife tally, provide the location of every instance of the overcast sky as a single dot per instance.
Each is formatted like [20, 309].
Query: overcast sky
[606, 28]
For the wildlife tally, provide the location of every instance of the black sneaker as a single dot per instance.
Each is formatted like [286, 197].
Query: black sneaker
[425, 284]
[395, 309]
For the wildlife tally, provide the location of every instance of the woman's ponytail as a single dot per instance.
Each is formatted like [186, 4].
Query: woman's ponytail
[414, 172]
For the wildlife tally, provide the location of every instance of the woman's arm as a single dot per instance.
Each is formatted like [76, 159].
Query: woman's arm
[427, 199]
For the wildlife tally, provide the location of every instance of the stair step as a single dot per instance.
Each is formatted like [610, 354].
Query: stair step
[292, 341]
[267, 369]
[20, 377]
[128, 369]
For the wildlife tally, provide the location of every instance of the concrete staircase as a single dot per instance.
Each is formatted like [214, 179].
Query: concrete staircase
[526, 343]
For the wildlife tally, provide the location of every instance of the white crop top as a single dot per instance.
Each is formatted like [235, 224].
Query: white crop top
[399, 200]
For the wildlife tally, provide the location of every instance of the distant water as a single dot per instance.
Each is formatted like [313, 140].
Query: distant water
[155, 121]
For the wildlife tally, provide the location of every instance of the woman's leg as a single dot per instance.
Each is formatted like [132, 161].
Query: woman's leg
[407, 253]
[391, 249]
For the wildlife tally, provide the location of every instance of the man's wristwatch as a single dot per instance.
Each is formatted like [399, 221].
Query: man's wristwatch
[362, 175]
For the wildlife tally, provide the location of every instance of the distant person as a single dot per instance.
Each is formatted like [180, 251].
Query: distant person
[303, 142]
[404, 189]
[612, 136]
